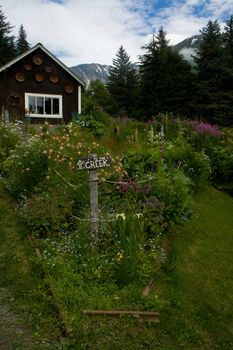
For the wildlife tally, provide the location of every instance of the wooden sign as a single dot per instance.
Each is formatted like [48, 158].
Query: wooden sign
[93, 163]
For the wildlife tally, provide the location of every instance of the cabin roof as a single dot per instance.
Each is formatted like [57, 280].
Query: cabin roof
[39, 45]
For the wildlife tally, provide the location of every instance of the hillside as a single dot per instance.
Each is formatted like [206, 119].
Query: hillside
[92, 71]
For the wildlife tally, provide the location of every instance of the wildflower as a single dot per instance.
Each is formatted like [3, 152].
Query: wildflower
[122, 215]
[138, 215]
[119, 256]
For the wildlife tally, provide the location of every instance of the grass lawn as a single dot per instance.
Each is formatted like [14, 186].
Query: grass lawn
[197, 278]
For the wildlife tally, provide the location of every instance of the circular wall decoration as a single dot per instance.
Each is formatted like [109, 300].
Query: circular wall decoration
[38, 60]
[54, 78]
[69, 88]
[20, 77]
[39, 77]
[14, 100]
[48, 69]
[28, 66]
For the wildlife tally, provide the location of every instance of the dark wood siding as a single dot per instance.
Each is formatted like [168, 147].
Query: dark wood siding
[24, 77]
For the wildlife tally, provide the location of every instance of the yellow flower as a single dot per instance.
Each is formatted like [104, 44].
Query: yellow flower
[119, 256]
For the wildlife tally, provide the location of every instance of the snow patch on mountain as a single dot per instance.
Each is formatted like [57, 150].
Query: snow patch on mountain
[193, 41]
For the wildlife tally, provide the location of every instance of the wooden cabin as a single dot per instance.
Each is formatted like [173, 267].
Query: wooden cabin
[38, 85]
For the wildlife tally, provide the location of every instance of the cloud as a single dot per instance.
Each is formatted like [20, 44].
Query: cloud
[182, 19]
[86, 31]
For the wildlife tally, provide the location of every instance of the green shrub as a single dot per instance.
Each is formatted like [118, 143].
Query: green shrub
[47, 214]
[195, 165]
[222, 167]
[89, 122]
[26, 166]
[171, 189]
[139, 162]
[10, 136]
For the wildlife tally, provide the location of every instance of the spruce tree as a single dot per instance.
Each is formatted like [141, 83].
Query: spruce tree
[7, 45]
[21, 42]
[209, 54]
[214, 98]
[122, 82]
[228, 38]
[166, 79]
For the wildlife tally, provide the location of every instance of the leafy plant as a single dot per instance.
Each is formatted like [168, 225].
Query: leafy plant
[10, 136]
[194, 164]
[89, 122]
[26, 167]
[222, 167]
[129, 236]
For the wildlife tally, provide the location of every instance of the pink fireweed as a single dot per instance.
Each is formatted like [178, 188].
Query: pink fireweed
[204, 128]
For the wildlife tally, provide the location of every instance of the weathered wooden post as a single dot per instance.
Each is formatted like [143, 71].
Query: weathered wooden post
[3, 115]
[93, 185]
[91, 164]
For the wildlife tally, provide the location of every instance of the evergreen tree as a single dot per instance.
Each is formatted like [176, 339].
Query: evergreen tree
[122, 82]
[21, 42]
[97, 98]
[166, 79]
[210, 51]
[228, 38]
[214, 97]
[7, 45]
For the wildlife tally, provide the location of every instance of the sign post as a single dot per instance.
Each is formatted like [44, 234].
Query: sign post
[93, 185]
[92, 164]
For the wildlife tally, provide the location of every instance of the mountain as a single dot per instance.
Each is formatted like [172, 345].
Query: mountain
[188, 46]
[93, 71]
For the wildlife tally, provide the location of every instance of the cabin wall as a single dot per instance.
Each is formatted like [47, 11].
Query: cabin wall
[37, 73]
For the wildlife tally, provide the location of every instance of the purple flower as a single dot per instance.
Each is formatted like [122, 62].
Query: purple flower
[204, 128]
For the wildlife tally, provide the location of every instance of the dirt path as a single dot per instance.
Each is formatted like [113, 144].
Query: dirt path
[27, 320]
[13, 333]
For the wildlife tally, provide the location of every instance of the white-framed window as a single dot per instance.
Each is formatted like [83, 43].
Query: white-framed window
[43, 106]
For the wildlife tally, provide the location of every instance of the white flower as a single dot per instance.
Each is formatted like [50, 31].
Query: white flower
[139, 215]
[122, 215]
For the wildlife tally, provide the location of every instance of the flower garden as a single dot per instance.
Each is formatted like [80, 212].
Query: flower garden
[147, 192]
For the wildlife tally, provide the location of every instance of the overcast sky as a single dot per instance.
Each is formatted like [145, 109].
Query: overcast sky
[91, 31]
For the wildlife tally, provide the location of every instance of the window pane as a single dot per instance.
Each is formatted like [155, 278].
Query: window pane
[32, 104]
[40, 105]
[48, 106]
[44, 105]
[55, 105]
